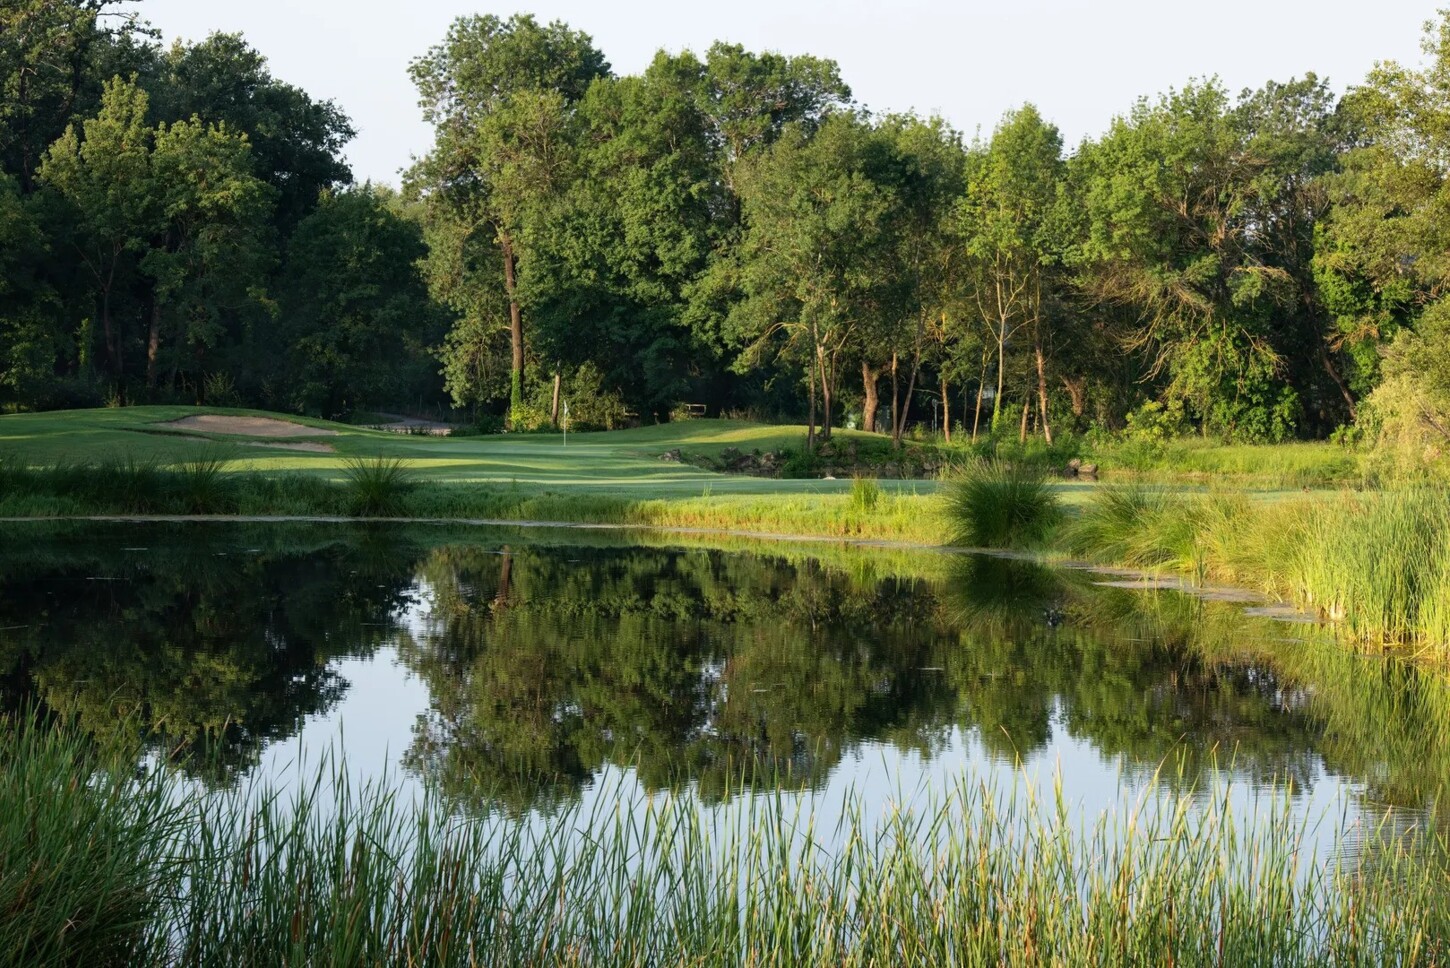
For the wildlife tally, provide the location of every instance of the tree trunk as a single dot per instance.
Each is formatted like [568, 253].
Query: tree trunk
[153, 344]
[946, 412]
[1026, 408]
[825, 393]
[868, 383]
[1042, 391]
[1343, 390]
[1076, 394]
[516, 324]
[977, 414]
[898, 429]
[811, 423]
[895, 393]
[113, 355]
[554, 407]
[1001, 359]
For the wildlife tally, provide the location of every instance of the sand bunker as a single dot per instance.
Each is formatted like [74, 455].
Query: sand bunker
[215, 423]
[303, 445]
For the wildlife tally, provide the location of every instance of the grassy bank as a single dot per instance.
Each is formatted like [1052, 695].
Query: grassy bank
[138, 868]
[388, 488]
[1377, 563]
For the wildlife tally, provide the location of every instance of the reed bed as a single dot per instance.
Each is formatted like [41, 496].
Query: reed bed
[335, 873]
[1375, 563]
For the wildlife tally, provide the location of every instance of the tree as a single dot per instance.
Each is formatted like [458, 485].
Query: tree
[103, 169]
[815, 256]
[1172, 200]
[31, 341]
[1382, 258]
[208, 260]
[925, 169]
[48, 50]
[1007, 225]
[296, 142]
[168, 225]
[500, 96]
[617, 253]
[354, 307]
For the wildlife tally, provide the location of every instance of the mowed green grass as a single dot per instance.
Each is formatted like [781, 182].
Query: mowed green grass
[623, 462]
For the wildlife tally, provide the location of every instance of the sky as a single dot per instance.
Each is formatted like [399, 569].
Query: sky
[1080, 61]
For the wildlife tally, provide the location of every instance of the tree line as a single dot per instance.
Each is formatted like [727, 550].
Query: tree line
[730, 230]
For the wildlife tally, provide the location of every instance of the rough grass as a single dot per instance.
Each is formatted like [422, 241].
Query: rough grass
[143, 869]
[1296, 464]
[378, 487]
[1376, 563]
[991, 504]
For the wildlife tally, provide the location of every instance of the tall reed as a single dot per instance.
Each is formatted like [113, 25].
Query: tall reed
[337, 873]
[88, 851]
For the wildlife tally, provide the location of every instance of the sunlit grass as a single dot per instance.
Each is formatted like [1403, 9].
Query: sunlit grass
[991, 504]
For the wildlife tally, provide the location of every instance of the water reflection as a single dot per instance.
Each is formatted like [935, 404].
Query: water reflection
[545, 664]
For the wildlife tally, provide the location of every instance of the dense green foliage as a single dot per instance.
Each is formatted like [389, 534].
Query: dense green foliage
[727, 230]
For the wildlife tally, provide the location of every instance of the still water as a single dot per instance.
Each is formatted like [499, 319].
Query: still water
[529, 672]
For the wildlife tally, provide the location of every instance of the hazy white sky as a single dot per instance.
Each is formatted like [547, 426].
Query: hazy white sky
[1080, 61]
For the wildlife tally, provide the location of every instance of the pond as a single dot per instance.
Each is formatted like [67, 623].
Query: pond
[532, 671]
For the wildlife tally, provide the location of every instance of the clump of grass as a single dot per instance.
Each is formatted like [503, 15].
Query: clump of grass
[86, 845]
[378, 487]
[1378, 563]
[1136, 525]
[865, 495]
[134, 484]
[202, 486]
[997, 505]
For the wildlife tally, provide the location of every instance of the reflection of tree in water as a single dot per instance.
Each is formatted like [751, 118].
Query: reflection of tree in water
[210, 650]
[546, 664]
[724, 669]
[731, 669]
[1120, 669]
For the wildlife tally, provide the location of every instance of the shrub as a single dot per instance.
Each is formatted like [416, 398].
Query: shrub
[1136, 525]
[998, 505]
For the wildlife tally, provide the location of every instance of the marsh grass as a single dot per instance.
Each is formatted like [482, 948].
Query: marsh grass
[128, 867]
[87, 850]
[1378, 563]
[1375, 563]
[991, 504]
[203, 486]
[865, 495]
[378, 487]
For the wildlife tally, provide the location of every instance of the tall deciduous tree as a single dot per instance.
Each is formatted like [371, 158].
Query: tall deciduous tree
[103, 168]
[169, 223]
[1009, 232]
[816, 252]
[354, 307]
[500, 95]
